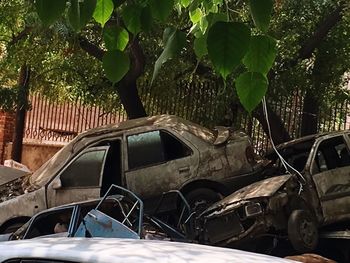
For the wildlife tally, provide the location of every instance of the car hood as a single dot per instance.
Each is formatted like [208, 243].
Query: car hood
[264, 188]
[8, 174]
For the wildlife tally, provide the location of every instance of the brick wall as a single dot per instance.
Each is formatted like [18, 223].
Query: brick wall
[7, 121]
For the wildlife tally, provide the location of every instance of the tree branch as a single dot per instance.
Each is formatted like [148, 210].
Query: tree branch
[90, 48]
[21, 35]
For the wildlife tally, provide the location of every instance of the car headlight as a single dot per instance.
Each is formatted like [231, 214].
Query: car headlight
[252, 209]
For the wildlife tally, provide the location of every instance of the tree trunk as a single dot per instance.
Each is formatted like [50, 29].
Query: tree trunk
[22, 102]
[127, 87]
[279, 133]
[131, 101]
[310, 114]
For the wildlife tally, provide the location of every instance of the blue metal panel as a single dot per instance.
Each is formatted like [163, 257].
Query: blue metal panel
[98, 224]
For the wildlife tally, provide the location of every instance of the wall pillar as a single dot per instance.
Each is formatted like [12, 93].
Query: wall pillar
[7, 124]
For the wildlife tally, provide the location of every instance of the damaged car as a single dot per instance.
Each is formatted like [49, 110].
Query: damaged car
[117, 215]
[291, 207]
[148, 156]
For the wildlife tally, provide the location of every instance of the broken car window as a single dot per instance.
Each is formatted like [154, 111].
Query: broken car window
[154, 147]
[332, 153]
[57, 221]
[85, 171]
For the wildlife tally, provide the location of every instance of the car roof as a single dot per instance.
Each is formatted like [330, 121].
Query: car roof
[106, 250]
[303, 139]
[80, 203]
[163, 120]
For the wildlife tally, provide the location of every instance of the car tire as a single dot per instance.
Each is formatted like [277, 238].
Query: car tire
[302, 231]
[199, 199]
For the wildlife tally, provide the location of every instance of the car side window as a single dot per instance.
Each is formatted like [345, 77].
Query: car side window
[331, 154]
[86, 170]
[49, 223]
[149, 148]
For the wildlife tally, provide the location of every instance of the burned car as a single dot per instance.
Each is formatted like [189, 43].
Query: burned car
[293, 207]
[149, 156]
[119, 215]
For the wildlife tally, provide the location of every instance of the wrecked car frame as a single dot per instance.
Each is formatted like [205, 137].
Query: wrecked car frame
[149, 156]
[120, 215]
[315, 193]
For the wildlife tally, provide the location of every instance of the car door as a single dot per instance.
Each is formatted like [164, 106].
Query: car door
[331, 175]
[80, 180]
[158, 161]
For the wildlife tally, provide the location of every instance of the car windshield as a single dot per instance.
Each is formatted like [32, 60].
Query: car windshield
[296, 154]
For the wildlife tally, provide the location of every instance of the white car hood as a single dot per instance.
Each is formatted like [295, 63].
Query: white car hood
[125, 250]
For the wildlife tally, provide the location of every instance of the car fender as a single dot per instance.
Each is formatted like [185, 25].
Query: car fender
[25, 205]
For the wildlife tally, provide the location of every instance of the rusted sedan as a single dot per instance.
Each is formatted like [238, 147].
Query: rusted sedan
[148, 156]
[291, 207]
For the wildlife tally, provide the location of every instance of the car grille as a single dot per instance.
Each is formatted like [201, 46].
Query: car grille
[221, 228]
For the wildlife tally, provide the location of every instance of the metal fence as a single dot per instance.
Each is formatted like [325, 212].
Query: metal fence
[54, 120]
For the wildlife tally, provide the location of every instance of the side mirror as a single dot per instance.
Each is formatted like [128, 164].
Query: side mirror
[56, 184]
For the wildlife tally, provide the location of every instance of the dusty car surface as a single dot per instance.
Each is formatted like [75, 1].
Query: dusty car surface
[149, 156]
[99, 250]
[292, 206]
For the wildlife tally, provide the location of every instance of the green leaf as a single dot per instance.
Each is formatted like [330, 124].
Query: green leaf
[146, 19]
[261, 12]
[261, 54]
[132, 18]
[115, 64]
[80, 13]
[227, 44]
[174, 41]
[216, 17]
[161, 9]
[185, 3]
[49, 11]
[203, 24]
[115, 37]
[103, 11]
[200, 46]
[195, 15]
[251, 88]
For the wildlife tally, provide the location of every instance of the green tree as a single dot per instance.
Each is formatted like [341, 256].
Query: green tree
[226, 39]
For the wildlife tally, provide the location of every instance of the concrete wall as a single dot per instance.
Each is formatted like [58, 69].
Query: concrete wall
[35, 154]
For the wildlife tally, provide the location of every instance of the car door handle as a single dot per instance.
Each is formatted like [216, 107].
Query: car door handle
[184, 169]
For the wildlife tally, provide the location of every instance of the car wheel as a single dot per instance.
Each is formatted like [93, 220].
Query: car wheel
[302, 231]
[199, 199]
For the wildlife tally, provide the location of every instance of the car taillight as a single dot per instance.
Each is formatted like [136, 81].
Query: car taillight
[249, 152]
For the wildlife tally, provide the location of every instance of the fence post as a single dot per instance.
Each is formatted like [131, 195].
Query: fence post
[6, 132]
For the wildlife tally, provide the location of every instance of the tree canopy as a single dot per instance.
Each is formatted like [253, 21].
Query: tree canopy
[166, 40]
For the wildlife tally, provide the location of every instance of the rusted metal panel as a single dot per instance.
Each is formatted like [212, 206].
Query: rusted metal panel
[264, 188]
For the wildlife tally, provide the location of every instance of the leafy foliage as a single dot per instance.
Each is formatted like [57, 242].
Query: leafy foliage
[174, 41]
[59, 66]
[257, 59]
[228, 42]
[116, 64]
[250, 87]
[261, 12]
[80, 13]
[50, 11]
[224, 40]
